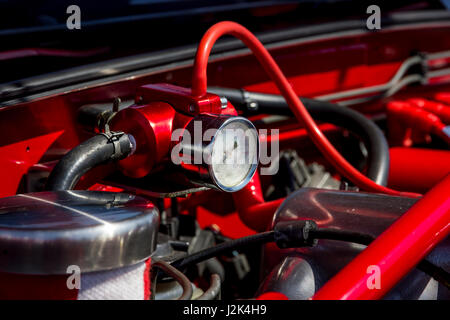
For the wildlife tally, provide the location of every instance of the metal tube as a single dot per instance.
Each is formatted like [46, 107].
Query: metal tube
[213, 290]
[396, 251]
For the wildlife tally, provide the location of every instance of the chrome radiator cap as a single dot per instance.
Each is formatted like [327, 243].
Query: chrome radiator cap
[46, 232]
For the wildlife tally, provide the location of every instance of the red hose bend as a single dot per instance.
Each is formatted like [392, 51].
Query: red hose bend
[199, 87]
[254, 212]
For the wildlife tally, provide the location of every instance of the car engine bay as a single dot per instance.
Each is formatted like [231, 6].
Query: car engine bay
[303, 167]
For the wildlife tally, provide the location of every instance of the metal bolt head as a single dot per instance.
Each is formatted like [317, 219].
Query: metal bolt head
[223, 102]
[446, 130]
[253, 106]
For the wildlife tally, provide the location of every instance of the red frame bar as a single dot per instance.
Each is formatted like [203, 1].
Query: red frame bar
[396, 251]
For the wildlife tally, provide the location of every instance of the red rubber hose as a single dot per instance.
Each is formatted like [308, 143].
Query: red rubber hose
[199, 87]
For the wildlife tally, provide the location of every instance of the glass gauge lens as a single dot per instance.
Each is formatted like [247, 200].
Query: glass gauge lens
[235, 154]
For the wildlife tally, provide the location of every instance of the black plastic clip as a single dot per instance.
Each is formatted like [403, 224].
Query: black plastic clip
[114, 137]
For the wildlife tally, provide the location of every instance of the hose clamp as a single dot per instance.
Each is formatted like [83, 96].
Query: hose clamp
[114, 138]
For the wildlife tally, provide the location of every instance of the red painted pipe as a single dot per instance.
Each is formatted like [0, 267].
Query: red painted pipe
[396, 251]
[418, 119]
[443, 97]
[417, 170]
[252, 209]
[439, 109]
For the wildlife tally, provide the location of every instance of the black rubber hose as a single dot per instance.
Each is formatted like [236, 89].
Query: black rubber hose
[97, 150]
[367, 130]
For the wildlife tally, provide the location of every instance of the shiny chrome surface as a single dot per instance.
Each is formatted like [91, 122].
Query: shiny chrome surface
[45, 232]
[294, 277]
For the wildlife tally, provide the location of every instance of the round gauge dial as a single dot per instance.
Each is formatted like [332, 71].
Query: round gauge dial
[228, 150]
[234, 155]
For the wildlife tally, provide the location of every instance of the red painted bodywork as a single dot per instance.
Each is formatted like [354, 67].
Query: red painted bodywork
[17, 158]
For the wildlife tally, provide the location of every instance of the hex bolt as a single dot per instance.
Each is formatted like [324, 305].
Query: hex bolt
[223, 102]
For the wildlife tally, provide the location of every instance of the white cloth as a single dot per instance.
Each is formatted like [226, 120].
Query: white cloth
[125, 283]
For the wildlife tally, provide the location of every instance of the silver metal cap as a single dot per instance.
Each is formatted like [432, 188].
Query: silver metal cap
[46, 232]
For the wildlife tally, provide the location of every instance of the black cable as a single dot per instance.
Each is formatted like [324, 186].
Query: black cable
[436, 272]
[95, 151]
[294, 234]
[424, 265]
[366, 129]
[342, 235]
[178, 276]
[257, 239]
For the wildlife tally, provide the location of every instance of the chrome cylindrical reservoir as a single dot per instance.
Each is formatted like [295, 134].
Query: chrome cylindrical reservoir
[56, 234]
